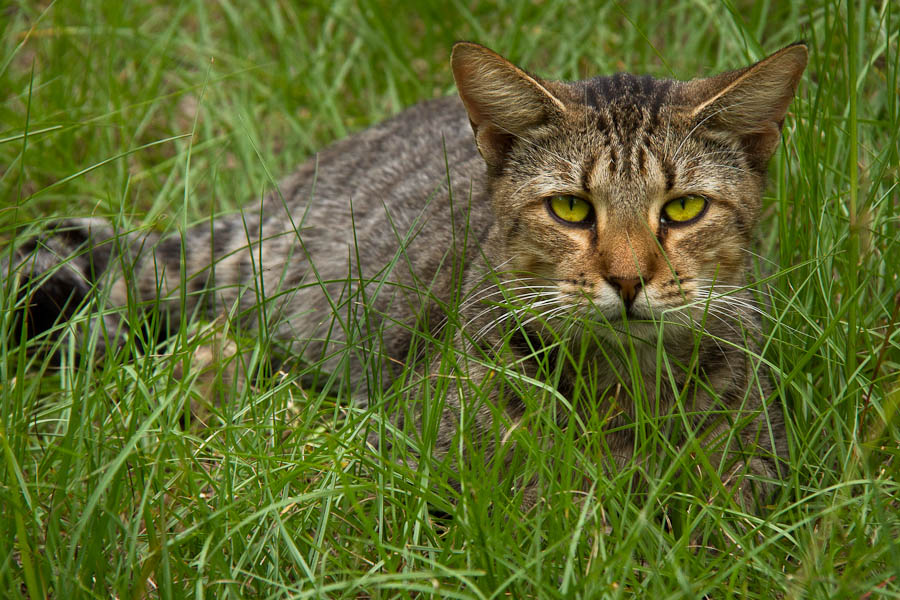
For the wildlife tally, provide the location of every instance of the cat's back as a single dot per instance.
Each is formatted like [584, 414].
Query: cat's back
[392, 162]
[388, 186]
[363, 193]
[400, 203]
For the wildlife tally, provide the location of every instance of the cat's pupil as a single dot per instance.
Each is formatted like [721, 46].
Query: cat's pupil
[571, 203]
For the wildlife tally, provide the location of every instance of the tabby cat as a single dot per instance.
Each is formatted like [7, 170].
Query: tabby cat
[612, 215]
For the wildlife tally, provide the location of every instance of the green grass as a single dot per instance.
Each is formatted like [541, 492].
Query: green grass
[146, 473]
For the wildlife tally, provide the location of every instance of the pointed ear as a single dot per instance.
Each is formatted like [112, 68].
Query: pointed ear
[502, 100]
[751, 103]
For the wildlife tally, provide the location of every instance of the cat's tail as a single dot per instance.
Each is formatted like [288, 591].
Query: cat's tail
[74, 265]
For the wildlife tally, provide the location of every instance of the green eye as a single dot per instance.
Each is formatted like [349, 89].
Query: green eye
[569, 208]
[684, 209]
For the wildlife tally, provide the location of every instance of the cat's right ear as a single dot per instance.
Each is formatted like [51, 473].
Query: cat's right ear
[751, 103]
[503, 101]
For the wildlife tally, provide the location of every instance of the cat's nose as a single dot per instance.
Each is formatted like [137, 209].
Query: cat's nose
[628, 288]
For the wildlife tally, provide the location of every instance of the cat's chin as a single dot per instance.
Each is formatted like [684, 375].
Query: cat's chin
[632, 314]
[639, 323]
[621, 335]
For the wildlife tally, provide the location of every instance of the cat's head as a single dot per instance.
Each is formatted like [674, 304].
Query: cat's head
[627, 191]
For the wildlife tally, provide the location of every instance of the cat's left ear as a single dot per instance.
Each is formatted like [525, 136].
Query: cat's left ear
[751, 103]
[503, 101]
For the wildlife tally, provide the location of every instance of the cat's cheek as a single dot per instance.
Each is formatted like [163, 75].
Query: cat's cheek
[678, 263]
[718, 258]
[730, 259]
[572, 253]
[699, 252]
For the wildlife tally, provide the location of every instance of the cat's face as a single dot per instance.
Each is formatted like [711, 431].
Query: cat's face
[594, 210]
[634, 196]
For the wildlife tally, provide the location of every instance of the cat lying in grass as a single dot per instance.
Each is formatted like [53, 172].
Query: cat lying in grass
[588, 227]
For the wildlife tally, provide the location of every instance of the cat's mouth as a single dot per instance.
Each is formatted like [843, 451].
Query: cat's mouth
[620, 317]
[626, 313]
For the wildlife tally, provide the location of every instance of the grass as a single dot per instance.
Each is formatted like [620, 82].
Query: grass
[154, 472]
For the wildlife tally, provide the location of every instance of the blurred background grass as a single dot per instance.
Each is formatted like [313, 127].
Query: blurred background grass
[156, 114]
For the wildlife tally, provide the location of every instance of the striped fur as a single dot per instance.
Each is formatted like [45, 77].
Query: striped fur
[373, 221]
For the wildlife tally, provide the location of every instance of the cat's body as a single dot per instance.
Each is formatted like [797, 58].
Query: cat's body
[554, 235]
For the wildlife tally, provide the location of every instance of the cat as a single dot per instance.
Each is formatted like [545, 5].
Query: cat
[611, 214]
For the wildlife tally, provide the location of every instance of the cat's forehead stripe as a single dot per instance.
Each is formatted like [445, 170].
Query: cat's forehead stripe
[631, 159]
[644, 93]
[669, 171]
[588, 172]
[627, 112]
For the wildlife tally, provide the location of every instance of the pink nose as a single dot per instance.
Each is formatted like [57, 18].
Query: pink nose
[628, 287]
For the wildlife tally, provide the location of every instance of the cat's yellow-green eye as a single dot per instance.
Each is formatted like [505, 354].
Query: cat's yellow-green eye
[684, 209]
[570, 209]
